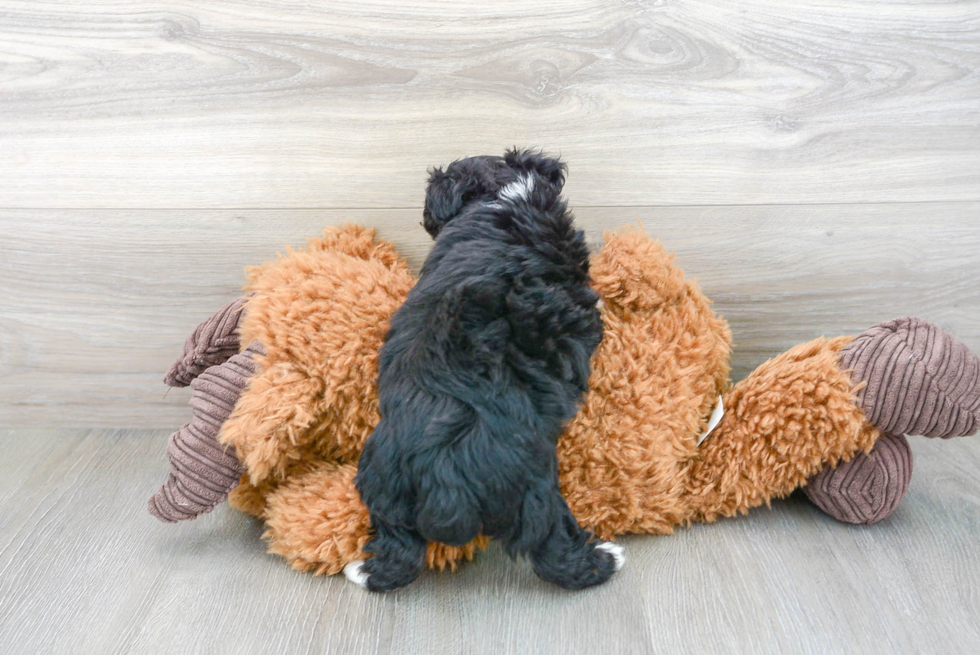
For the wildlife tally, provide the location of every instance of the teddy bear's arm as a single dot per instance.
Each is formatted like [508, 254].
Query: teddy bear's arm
[211, 343]
[202, 471]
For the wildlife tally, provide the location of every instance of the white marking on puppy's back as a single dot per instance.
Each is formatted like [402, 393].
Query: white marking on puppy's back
[519, 189]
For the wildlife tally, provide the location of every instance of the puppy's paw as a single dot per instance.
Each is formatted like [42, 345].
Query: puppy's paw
[355, 573]
[616, 551]
[596, 563]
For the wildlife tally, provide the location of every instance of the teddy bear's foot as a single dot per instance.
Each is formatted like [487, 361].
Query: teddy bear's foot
[867, 488]
[202, 471]
[919, 379]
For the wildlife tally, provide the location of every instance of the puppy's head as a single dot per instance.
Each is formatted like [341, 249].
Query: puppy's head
[520, 175]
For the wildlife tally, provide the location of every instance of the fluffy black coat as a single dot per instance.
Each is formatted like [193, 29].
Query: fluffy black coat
[481, 368]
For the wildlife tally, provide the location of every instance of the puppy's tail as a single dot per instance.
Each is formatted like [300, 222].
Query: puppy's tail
[449, 515]
[448, 509]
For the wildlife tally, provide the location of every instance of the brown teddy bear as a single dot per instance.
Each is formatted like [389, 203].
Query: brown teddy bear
[280, 423]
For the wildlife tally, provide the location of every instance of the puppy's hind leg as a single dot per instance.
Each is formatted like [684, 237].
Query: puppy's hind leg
[398, 557]
[397, 549]
[569, 555]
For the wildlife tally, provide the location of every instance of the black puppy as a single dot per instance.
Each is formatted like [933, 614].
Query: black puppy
[481, 368]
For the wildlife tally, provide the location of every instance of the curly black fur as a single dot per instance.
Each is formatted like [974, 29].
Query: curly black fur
[481, 368]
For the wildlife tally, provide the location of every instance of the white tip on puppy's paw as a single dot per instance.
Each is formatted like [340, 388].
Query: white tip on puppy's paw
[355, 574]
[615, 550]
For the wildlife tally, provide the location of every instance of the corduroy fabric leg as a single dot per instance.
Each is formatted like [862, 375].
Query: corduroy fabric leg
[913, 378]
[203, 471]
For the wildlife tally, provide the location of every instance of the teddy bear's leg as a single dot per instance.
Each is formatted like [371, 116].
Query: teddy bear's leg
[782, 424]
[202, 470]
[914, 378]
[248, 499]
[316, 520]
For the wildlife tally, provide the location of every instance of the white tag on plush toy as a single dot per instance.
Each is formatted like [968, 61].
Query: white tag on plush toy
[715, 419]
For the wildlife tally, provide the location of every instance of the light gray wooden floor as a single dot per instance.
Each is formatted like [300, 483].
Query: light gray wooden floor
[814, 163]
[84, 569]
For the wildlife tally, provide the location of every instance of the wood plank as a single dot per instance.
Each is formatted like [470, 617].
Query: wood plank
[345, 104]
[96, 304]
[79, 550]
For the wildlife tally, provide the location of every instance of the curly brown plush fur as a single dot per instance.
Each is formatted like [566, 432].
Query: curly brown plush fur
[629, 462]
[663, 360]
[321, 314]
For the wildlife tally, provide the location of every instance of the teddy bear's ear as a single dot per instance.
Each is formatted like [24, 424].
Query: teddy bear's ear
[450, 190]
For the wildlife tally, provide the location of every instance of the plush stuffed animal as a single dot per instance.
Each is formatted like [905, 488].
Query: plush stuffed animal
[279, 421]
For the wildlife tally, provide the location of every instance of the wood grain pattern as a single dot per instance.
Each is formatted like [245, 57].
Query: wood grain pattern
[84, 569]
[96, 304]
[345, 103]
[813, 162]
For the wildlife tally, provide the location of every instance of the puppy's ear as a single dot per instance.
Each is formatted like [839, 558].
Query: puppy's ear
[551, 169]
[449, 191]
[442, 202]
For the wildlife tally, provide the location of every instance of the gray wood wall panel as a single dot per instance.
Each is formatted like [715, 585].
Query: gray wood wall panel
[344, 104]
[97, 303]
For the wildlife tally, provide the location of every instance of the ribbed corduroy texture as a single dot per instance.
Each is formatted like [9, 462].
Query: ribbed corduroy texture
[867, 488]
[211, 343]
[203, 471]
[920, 380]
